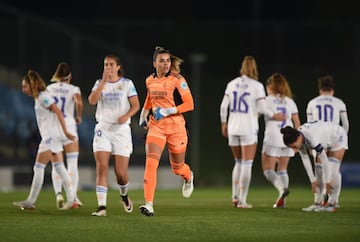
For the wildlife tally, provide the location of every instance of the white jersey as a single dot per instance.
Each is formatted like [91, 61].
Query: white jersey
[240, 100]
[63, 93]
[48, 123]
[328, 109]
[327, 135]
[114, 100]
[272, 135]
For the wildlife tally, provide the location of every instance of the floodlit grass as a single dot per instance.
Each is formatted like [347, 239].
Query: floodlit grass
[207, 216]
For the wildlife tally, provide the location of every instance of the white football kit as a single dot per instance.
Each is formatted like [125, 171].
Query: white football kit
[328, 109]
[63, 93]
[322, 136]
[242, 102]
[273, 143]
[113, 103]
[52, 135]
[319, 134]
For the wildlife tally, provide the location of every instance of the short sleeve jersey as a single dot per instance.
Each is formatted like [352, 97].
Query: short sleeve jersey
[244, 93]
[276, 104]
[48, 123]
[63, 93]
[325, 108]
[114, 100]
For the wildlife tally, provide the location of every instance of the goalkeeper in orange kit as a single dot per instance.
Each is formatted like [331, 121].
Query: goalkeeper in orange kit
[166, 125]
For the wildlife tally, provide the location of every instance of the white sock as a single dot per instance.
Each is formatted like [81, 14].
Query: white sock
[284, 177]
[320, 190]
[274, 179]
[236, 178]
[340, 184]
[245, 178]
[56, 180]
[66, 181]
[101, 195]
[318, 196]
[73, 170]
[335, 179]
[123, 189]
[37, 181]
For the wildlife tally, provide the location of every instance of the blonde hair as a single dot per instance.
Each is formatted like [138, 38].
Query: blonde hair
[35, 82]
[62, 73]
[175, 61]
[279, 85]
[249, 68]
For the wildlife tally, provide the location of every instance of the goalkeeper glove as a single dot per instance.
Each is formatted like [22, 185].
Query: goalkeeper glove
[164, 112]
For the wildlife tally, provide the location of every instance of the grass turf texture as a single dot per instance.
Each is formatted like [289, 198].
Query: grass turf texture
[207, 216]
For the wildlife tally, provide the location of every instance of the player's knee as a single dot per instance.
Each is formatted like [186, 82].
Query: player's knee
[152, 161]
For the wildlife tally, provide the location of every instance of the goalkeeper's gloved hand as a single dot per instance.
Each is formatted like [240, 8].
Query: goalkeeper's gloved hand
[163, 112]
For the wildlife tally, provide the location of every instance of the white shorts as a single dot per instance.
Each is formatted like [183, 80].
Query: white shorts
[115, 138]
[54, 145]
[276, 151]
[341, 142]
[237, 140]
[71, 128]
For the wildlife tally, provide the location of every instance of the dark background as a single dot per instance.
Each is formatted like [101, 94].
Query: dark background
[301, 39]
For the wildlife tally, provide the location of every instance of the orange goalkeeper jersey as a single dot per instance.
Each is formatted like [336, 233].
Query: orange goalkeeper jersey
[160, 93]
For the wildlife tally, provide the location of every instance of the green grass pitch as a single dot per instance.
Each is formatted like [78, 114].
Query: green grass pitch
[207, 215]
